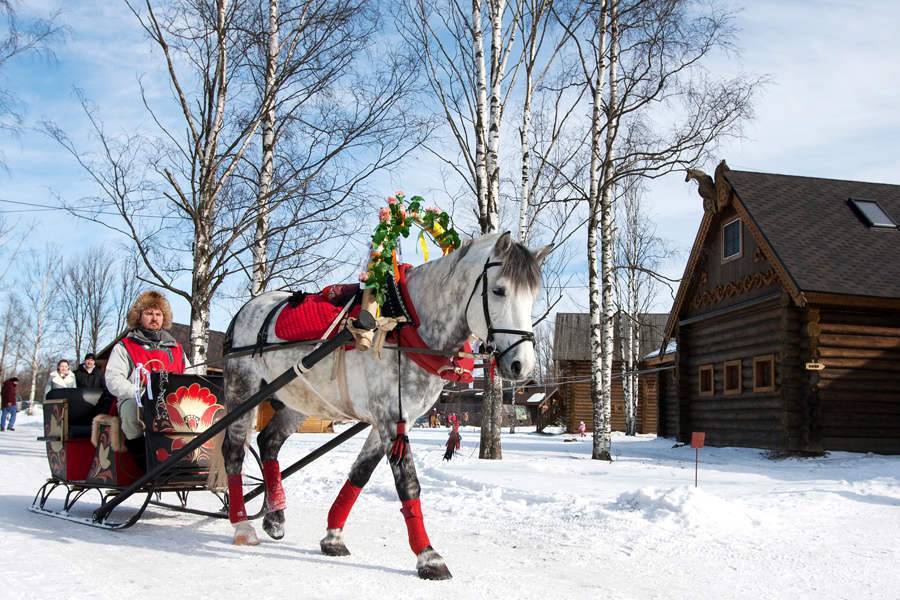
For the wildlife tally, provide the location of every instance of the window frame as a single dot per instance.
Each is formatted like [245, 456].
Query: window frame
[740, 387]
[757, 360]
[740, 251]
[712, 380]
[857, 205]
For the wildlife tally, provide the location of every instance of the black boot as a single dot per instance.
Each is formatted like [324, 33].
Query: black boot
[138, 450]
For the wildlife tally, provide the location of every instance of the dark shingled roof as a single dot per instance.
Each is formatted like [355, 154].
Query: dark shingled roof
[817, 236]
[572, 341]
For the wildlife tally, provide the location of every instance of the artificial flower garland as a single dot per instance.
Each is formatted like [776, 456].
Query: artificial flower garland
[394, 220]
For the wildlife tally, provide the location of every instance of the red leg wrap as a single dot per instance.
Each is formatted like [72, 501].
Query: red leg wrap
[415, 525]
[236, 510]
[275, 499]
[340, 510]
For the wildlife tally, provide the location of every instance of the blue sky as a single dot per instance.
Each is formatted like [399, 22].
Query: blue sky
[830, 110]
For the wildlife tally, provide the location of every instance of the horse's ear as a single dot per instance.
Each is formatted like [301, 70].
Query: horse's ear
[504, 243]
[541, 254]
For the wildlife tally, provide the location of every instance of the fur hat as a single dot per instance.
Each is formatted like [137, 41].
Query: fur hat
[149, 299]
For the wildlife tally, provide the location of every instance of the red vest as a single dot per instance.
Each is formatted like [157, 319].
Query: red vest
[162, 359]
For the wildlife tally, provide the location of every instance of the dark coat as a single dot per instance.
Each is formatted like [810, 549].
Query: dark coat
[94, 379]
[9, 393]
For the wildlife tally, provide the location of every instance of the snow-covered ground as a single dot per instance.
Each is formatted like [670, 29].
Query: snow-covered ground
[546, 522]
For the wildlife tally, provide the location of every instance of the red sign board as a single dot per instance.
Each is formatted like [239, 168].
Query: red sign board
[697, 439]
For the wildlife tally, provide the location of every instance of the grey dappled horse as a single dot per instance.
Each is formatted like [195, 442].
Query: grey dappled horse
[486, 288]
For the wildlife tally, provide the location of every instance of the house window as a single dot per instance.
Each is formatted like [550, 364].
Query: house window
[706, 380]
[732, 241]
[871, 213]
[764, 373]
[732, 377]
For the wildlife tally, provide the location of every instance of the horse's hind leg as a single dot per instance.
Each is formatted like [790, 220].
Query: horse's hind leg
[283, 424]
[236, 435]
[429, 564]
[372, 452]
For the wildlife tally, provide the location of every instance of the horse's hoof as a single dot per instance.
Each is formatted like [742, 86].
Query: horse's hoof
[273, 524]
[430, 565]
[333, 543]
[245, 534]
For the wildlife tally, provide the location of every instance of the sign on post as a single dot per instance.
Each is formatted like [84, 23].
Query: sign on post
[697, 440]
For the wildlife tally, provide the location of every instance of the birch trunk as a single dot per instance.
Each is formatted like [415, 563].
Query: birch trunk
[603, 441]
[526, 131]
[200, 302]
[7, 327]
[41, 307]
[493, 153]
[594, 291]
[258, 282]
[491, 419]
[481, 178]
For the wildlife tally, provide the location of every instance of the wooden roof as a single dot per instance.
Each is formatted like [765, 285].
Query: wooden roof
[572, 341]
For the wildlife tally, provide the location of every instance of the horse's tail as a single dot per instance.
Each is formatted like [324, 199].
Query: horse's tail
[217, 480]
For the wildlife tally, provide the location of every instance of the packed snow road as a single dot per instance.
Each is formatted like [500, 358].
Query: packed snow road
[546, 522]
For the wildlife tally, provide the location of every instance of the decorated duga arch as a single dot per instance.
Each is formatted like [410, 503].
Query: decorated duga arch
[377, 352]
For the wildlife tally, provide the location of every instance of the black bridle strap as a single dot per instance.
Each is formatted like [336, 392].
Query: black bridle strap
[526, 336]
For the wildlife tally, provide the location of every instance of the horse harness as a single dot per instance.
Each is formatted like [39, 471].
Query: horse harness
[524, 336]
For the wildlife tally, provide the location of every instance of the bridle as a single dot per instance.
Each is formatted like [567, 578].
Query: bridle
[525, 336]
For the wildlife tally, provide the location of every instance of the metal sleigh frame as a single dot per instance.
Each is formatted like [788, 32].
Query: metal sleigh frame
[163, 477]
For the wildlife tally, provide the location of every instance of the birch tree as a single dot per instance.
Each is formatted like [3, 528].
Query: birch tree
[12, 331]
[39, 302]
[639, 254]
[643, 62]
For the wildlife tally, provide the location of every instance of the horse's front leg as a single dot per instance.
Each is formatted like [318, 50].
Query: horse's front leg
[283, 424]
[429, 564]
[372, 452]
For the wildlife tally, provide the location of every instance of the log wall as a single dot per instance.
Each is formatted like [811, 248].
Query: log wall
[577, 396]
[755, 419]
[858, 392]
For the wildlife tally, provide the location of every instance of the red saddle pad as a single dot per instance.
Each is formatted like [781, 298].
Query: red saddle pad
[309, 319]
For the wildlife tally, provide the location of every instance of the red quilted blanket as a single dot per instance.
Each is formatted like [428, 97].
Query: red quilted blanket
[308, 319]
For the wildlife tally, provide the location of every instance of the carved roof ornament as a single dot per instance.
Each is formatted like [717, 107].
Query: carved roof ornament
[716, 193]
[706, 187]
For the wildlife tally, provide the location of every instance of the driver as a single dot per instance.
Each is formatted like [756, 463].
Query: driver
[148, 343]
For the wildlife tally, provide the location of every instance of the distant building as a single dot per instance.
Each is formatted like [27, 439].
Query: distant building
[572, 354]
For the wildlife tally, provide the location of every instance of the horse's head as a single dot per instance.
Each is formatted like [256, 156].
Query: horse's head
[500, 304]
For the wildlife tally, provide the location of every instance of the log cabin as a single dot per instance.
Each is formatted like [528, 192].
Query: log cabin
[787, 318]
[572, 354]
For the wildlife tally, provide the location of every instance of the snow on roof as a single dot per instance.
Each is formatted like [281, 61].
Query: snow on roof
[535, 398]
[671, 347]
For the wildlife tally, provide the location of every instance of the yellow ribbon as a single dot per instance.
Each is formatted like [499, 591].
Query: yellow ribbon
[423, 245]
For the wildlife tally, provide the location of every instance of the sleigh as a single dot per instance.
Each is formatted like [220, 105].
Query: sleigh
[181, 415]
[86, 451]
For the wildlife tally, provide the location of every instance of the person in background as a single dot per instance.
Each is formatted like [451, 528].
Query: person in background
[62, 377]
[581, 428]
[466, 418]
[88, 375]
[147, 343]
[10, 386]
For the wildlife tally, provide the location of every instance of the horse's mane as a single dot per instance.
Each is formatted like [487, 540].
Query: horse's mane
[520, 267]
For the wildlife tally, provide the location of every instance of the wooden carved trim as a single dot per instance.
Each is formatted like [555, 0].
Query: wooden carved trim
[734, 288]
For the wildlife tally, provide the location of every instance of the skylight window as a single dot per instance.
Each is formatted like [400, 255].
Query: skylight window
[872, 214]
